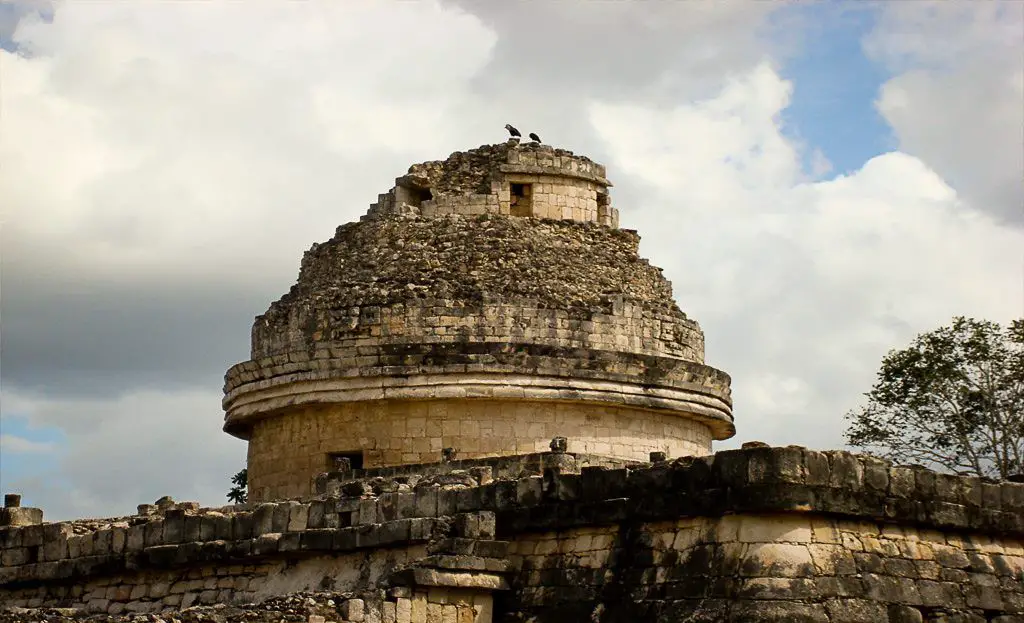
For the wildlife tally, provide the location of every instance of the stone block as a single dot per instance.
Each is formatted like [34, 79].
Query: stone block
[10, 537]
[154, 533]
[318, 540]
[940, 594]
[208, 527]
[282, 517]
[530, 491]
[426, 502]
[777, 560]
[242, 526]
[775, 465]
[55, 543]
[263, 519]
[902, 482]
[367, 513]
[266, 544]
[816, 468]
[468, 499]
[290, 542]
[192, 529]
[353, 610]
[447, 501]
[395, 531]
[773, 611]
[14, 557]
[846, 472]
[20, 516]
[876, 474]
[173, 526]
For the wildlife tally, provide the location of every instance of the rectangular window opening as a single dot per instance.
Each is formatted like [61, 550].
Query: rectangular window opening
[521, 199]
[336, 460]
[422, 194]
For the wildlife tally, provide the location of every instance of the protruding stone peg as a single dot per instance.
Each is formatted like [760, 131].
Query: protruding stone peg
[559, 445]
[658, 457]
[448, 455]
[12, 500]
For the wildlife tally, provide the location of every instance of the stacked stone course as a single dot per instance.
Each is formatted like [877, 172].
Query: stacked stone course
[488, 308]
[447, 319]
[475, 182]
[761, 534]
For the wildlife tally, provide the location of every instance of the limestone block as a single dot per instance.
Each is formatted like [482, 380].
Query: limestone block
[778, 560]
[353, 610]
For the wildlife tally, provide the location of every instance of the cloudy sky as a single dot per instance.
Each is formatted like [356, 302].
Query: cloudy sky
[821, 182]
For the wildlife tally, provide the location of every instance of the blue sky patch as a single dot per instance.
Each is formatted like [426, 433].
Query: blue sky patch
[835, 86]
[18, 461]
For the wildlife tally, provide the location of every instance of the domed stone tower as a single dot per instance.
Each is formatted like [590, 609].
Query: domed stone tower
[487, 303]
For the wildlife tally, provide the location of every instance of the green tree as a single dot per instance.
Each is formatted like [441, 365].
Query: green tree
[238, 493]
[952, 400]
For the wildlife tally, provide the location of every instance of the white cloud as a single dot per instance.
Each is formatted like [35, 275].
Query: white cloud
[182, 137]
[801, 286]
[132, 450]
[957, 97]
[178, 154]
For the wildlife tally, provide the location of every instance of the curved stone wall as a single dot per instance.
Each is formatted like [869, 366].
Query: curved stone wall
[288, 451]
[348, 332]
[475, 311]
[479, 181]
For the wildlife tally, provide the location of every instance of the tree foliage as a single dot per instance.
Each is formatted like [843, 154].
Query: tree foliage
[238, 493]
[952, 400]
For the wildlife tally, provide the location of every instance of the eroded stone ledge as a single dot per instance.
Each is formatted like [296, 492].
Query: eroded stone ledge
[811, 535]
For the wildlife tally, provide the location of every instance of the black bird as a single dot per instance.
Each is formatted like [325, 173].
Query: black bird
[511, 130]
[534, 137]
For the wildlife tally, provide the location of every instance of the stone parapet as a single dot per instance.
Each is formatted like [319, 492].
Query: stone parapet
[759, 480]
[471, 471]
[804, 534]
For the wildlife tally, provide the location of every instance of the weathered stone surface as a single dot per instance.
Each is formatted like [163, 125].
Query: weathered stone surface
[706, 536]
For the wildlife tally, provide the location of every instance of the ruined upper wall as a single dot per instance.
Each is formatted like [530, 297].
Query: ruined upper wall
[514, 298]
[527, 180]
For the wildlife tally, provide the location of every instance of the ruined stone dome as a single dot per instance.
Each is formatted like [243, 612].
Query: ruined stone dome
[486, 284]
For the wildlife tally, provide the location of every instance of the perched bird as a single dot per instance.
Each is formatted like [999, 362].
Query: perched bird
[512, 131]
[534, 137]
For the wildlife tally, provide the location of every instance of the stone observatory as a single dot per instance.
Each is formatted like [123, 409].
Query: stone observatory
[478, 404]
[485, 305]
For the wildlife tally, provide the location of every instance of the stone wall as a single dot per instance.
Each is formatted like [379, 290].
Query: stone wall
[182, 557]
[563, 186]
[767, 568]
[286, 452]
[453, 269]
[763, 534]
[769, 534]
[415, 336]
[561, 317]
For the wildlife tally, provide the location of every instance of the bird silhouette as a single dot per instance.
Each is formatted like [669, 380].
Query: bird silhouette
[534, 137]
[512, 131]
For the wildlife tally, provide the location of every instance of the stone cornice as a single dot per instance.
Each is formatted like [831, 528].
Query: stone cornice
[251, 401]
